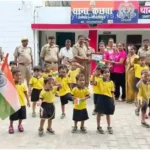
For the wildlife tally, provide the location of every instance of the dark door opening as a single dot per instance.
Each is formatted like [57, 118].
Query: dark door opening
[61, 37]
[135, 40]
[106, 37]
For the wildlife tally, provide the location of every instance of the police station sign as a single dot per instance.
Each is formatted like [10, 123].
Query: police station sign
[96, 12]
[92, 12]
[144, 10]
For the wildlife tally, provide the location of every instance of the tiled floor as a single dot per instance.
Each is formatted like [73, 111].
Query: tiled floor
[128, 132]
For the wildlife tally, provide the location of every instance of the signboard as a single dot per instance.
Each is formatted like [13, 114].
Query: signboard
[97, 57]
[126, 12]
[92, 12]
[144, 10]
[98, 12]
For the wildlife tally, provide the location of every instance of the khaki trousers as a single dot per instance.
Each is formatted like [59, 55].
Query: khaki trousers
[26, 72]
[86, 73]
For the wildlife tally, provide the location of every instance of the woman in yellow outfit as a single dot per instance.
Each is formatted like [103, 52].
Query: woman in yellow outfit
[130, 76]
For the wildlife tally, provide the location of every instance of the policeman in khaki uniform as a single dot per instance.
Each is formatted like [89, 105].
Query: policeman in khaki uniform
[49, 53]
[145, 51]
[80, 53]
[23, 56]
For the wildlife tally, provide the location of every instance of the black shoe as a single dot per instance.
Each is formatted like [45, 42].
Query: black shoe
[83, 129]
[137, 112]
[110, 130]
[100, 130]
[50, 131]
[145, 124]
[41, 132]
[117, 98]
[74, 129]
[62, 116]
[123, 100]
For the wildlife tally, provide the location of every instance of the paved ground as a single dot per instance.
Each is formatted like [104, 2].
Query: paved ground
[128, 132]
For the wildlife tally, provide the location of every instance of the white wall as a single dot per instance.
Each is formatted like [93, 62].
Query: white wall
[14, 24]
[54, 15]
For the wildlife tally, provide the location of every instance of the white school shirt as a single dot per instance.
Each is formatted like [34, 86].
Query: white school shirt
[65, 53]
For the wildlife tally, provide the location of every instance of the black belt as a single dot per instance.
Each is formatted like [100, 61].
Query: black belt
[51, 62]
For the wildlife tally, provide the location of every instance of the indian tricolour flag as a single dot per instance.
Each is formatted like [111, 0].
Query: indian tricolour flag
[68, 65]
[77, 101]
[55, 73]
[9, 100]
[102, 63]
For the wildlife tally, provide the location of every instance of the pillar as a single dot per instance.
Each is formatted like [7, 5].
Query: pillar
[93, 43]
[35, 48]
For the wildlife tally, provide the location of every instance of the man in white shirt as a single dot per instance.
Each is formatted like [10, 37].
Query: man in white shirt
[65, 53]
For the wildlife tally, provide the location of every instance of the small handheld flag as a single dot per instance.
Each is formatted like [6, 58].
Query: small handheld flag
[102, 63]
[77, 101]
[68, 65]
[55, 73]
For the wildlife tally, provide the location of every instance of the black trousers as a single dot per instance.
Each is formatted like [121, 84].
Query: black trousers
[119, 80]
[112, 76]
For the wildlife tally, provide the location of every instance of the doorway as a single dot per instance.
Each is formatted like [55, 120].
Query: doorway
[61, 37]
[135, 40]
[105, 38]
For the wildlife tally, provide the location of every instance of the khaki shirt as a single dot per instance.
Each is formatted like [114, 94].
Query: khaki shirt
[23, 54]
[78, 50]
[90, 50]
[50, 53]
[145, 52]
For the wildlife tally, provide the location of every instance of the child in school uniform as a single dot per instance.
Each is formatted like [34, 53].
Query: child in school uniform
[36, 85]
[47, 110]
[73, 72]
[64, 92]
[138, 69]
[47, 71]
[22, 93]
[143, 96]
[80, 95]
[105, 102]
[95, 87]
[13, 65]
[149, 98]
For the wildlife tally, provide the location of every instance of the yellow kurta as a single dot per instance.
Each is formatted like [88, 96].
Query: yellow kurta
[130, 76]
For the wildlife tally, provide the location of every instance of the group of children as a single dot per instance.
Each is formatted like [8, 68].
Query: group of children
[69, 85]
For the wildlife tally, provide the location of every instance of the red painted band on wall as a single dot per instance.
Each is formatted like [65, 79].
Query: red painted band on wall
[86, 26]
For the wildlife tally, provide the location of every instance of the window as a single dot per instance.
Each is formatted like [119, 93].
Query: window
[135, 40]
[58, 3]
